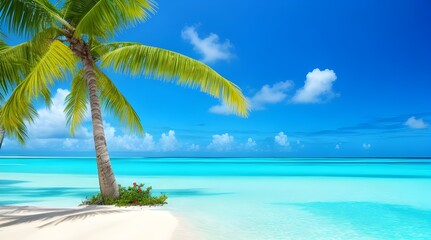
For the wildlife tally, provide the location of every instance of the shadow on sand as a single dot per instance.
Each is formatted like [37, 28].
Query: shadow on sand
[50, 216]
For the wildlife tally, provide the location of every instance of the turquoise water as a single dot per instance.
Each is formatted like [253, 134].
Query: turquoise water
[251, 198]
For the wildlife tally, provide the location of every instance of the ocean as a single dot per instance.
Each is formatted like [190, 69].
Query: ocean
[250, 198]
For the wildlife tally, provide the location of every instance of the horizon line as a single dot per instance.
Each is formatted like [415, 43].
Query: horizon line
[134, 157]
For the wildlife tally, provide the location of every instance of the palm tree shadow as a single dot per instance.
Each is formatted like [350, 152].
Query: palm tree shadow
[21, 215]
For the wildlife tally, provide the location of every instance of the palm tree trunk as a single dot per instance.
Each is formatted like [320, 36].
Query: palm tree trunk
[1, 135]
[108, 184]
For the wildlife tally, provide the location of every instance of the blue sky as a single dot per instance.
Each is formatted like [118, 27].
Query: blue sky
[325, 78]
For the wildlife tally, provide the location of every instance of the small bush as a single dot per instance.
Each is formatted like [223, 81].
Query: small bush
[131, 196]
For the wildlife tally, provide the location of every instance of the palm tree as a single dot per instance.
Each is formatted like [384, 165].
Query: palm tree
[69, 40]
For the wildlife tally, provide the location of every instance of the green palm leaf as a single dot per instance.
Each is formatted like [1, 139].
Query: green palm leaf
[16, 61]
[16, 121]
[137, 59]
[53, 12]
[10, 67]
[116, 103]
[54, 64]
[26, 51]
[76, 102]
[29, 17]
[101, 18]
[99, 49]
[110, 96]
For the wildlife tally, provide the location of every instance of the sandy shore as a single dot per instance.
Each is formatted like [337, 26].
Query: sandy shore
[91, 222]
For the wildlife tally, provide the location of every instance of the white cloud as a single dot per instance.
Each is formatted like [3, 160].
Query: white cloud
[83, 132]
[221, 142]
[210, 47]
[148, 142]
[51, 122]
[221, 109]
[281, 139]
[132, 143]
[168, 142]
[194, 148]
[266, 95]
[270, 95]
[127, 142]
[70, 143]
[416, 123]
[109, 131]
[317, 87]
[49, 131]
[250, 143]
[366, 146]
[298, 142]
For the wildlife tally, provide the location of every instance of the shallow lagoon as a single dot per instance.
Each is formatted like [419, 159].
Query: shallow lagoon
[251, 198]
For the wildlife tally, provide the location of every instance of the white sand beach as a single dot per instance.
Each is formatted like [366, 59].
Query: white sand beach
[88, 222]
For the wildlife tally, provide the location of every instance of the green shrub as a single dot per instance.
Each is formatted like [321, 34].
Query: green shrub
[131, 196]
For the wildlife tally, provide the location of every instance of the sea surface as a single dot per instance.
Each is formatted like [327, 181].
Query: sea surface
[250, 198]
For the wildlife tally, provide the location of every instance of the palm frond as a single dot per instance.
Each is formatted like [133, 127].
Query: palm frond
[14, 122]
[74, 10]
[116, 103]
[37, 46]
[99, 49]
[76, 102]
[54, 64]
[16, 61]
[137, 59]
[10, 67]
[19, 51]
[53, 12]
[28, 17]
[101, 18]
[41, 41]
